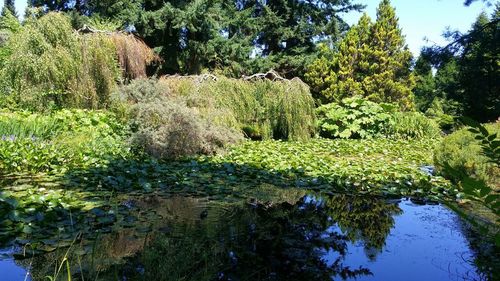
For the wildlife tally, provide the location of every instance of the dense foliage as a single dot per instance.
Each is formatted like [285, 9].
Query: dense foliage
[60, 141]
[462, 152]
[353, 118]
[409, 125]
[9, 8]
[88, 143]
[166, 129]
[223, 35]
[372, 61]
[52, 66]
[467, 71]
[261, 109]
[359, 118]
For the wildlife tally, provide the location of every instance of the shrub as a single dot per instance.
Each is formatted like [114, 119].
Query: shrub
[444, 112]
[59, 141]
[353, 118]
[140, 90]
[272, 109]
[412, 125]
[462, 152]
[169, 130]
[52, 66]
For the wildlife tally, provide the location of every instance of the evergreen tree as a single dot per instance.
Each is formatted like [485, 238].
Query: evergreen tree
[9, 5]
[236, 37]
[425, 88]
[479, 69]
[468, 69]
[372, 60]
[390, 78]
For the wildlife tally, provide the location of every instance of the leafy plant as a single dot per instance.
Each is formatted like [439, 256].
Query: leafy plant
[478, 189]
[463, 152]
[58, 141]
[409, 125]
[353, 117]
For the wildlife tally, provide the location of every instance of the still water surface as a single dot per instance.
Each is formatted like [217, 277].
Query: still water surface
[294, 236]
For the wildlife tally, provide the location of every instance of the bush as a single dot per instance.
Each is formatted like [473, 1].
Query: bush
[357, 118]
[59, 141]
[168, 130]
[462, 152]
[273, 109]
[50, 65]
[412, 125]
[353, 118]
[140, 90]
[444, 112]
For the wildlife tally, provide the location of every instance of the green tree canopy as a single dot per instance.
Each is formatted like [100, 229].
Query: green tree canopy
[372, 61]
[468, 69]
[236, 37]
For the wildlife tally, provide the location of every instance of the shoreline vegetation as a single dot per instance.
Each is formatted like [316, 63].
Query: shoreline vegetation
[96, 122]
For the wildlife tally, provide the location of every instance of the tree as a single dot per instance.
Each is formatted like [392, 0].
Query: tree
[390, 78]
[289, 30]
[468, 69]
[235, 37]
[425, 87]
[479, 66]
[372, 61]
[9, 5]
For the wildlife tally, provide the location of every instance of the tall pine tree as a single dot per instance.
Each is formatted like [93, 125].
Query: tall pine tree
[9, 5]
[372, 60]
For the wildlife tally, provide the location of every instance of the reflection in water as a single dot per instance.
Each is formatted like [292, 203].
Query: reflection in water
[294, 238]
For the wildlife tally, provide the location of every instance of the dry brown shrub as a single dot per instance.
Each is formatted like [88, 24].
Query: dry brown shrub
[133, 55]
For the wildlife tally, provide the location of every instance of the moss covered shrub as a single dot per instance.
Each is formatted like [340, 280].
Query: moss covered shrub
[462, 151]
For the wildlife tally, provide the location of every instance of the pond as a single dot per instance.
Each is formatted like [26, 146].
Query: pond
[289, 234]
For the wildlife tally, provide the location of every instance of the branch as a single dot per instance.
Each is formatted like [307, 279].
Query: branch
[270, 75]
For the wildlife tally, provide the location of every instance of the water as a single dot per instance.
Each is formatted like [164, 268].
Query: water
[290, 237]
[426, 243]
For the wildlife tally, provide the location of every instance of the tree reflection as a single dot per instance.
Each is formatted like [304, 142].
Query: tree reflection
[273, 241]
[200, 240]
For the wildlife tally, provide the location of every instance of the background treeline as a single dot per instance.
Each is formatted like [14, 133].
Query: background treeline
[463, 78]
[233, 37]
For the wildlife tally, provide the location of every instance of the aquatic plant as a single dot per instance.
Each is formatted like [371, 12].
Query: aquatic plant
[59, 141]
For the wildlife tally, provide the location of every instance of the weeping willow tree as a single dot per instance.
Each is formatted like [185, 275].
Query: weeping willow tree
[50, 65]
[261, 108]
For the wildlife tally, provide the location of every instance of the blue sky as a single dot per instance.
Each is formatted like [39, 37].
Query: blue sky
[417, 18]
[427, 18]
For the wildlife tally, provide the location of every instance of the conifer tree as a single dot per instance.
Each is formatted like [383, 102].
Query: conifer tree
[9, 5]
[390, 78]
[372, 60]
[479, 69]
